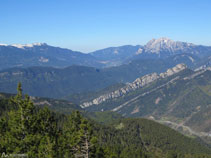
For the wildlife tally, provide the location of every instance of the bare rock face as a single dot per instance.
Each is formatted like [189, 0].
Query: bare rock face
[138, 83]
[165, 44]
[173, 70]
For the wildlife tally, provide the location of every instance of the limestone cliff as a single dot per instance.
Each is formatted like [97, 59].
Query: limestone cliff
[138, 83]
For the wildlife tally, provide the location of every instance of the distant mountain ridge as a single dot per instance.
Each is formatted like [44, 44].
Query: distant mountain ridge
[114, 56]
[61, 82]
[42, 54]
[154, 49]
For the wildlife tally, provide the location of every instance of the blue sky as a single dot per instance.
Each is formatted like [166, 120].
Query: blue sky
[87, 25]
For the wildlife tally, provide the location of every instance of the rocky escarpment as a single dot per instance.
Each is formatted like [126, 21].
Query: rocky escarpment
[138, 83]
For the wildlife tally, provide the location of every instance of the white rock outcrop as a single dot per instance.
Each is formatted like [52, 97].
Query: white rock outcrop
[138, 83]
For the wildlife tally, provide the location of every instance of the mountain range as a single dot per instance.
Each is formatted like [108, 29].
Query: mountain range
[179, 98]
[61, 82]
[59, 72]
[166, 81]
[42, 54]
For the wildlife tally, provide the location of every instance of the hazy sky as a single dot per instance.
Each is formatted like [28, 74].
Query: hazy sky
[87, 25]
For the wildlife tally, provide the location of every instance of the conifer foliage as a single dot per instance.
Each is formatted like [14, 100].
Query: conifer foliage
[36, 132]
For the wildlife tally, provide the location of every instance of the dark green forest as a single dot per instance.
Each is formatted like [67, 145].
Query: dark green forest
[39, 132]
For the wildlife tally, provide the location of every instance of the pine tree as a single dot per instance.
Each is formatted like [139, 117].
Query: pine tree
[28, 130]
[20, 123]
[78, 137]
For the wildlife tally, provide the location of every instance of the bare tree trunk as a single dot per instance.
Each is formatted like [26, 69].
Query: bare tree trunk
[87, 146]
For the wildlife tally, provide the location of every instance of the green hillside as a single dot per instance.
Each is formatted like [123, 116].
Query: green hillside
[39, 132]
[182, 101]
[63, 82]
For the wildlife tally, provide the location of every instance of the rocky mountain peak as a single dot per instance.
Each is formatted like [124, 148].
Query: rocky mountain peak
[163, 40]
[165, 44]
